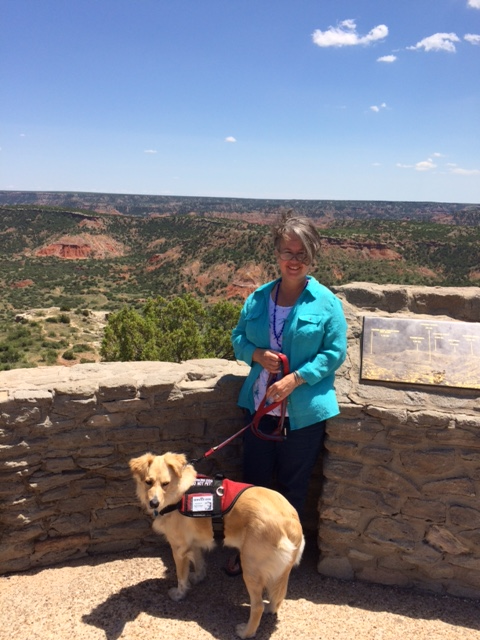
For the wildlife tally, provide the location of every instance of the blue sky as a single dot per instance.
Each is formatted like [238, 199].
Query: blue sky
[309, 99]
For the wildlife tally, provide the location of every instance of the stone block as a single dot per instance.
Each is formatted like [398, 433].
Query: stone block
[348, 410]
[109, 517]
[9, 552]
[78, 438]
[389, 480]
[423, 556]
[341, 470]
[123, 531]
[429, 419]
[42, 482]
[427, 510]
[21, 416]
[451, 486]
[464, 517]
[405, 437]
[335, 567]
[9, 452]
[58, 465]
[118, 388]
[344, 450]
[468, 422]
[133, 434]
[393, 532]
[130, 405]
[391, 416]
[376, 455]
[353, 430]
[343, 517]
[69, 525]
[430, 462]
[336, 535]
[76, 408]
[57, 546]
[108, 421]
[379, 502]
[445, 541]
[22, 514]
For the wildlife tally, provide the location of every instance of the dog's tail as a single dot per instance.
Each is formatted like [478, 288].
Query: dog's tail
[289, 552]
[299, 554]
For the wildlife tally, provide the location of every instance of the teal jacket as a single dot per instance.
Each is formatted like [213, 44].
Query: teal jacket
[314, 341]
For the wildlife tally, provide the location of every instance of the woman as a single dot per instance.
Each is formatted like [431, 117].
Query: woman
[297, 316]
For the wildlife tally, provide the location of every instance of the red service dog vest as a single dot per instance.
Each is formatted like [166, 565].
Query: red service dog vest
[211, 497]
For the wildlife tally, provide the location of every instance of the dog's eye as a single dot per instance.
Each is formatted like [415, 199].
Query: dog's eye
[149, 482]
[165, 484]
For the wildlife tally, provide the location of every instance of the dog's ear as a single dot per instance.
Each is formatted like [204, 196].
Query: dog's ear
[139, 466]
[176, 461]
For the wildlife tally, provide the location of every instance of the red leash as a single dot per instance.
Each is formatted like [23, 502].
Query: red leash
[276, 436]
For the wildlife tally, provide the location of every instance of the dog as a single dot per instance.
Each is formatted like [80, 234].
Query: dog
[262, 525]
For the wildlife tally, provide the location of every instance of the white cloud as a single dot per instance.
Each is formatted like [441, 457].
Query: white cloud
[390, 58]
[150, 151]
[404, 166]
[474, 4]
[377, 109]
[472, 38]
[466, 172]
[345, 35]
[438, 155]
[230, 139]
[425, 165]
[438, 42]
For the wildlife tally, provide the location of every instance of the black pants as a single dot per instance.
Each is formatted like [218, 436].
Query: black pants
[285, 466]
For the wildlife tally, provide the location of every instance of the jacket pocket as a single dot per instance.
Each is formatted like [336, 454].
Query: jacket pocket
[255, 325]
[310, 326]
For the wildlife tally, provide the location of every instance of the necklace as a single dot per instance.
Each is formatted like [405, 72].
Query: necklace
[278, 336]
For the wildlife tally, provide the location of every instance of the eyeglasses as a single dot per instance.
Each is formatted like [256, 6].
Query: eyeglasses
[288, 255]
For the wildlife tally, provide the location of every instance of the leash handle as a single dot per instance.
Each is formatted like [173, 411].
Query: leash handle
[262, 410]
[279, 433]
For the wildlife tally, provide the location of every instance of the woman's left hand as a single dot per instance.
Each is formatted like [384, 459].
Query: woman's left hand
[281, 389]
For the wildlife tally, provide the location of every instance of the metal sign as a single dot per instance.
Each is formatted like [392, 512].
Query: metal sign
[421, 351]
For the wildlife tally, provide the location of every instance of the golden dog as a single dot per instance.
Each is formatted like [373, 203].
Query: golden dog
[262, 525]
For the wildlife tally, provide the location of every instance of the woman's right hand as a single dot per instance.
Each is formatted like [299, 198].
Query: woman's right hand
[270, 360]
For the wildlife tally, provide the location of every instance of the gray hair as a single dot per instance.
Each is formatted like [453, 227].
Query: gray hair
[303, 228]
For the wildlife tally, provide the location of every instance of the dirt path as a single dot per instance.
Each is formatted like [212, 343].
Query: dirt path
[124, 597]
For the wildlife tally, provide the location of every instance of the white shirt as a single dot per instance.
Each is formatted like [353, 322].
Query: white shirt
[280, 314]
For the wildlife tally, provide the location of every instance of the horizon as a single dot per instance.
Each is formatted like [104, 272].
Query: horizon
[340, 101]
[207, 197]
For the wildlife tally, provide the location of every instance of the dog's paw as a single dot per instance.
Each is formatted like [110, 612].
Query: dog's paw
[196, 577]
[241, 630]
[177, 594]
[269, 608]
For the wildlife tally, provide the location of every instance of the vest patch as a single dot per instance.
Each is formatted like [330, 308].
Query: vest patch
[211, 497]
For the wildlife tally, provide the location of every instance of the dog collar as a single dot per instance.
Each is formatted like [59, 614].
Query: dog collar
[168, 509]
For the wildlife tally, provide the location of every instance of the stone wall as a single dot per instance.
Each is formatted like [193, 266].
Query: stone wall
[399, 504]
[66, 435]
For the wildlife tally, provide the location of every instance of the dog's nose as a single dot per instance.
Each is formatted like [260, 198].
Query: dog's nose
[154, 502]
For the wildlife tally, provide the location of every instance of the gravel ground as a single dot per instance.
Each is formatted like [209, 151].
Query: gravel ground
[124, 597]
